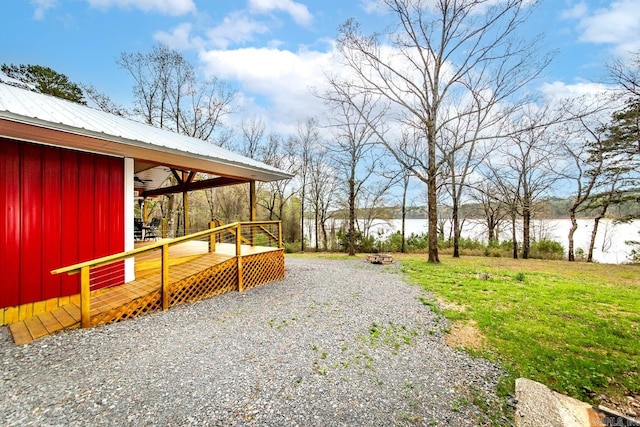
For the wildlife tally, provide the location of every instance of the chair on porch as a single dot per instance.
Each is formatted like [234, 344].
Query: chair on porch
[151, 231]
[137, 229]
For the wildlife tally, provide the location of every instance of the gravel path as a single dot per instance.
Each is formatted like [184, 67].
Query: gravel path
[336, 343]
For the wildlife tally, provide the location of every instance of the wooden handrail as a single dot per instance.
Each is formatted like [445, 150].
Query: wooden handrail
[85, 267]
[109, 259]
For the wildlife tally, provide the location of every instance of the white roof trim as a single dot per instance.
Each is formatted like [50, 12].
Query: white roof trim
[128, 138]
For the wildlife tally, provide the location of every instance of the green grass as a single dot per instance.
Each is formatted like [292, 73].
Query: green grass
[572, 326]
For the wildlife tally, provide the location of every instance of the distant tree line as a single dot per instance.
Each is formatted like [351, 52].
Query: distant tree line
[440, 98]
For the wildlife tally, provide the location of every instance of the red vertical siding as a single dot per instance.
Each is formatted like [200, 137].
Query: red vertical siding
[51, 223]
[86, 207]
[116, 218]
[31, 230]
[9, 222]
[101, 276]
[60, 207]
[70, 201]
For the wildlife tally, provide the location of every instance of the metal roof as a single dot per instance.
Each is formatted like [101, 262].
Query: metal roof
[125, 137]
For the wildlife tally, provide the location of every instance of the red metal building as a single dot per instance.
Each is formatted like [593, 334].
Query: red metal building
[67, 190]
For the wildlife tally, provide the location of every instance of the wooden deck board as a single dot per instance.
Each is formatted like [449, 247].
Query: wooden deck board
[20, 333]
[64, 317]
[50, 322]
[35, 327]
[73, 310]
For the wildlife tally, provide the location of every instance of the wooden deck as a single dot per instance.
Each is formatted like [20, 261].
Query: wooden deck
[194, 274]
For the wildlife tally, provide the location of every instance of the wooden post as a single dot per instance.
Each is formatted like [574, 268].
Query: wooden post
[163, 229]
[280, 244]
[85, 297]
[239, 257]
[252, 208]
[185, 207]
[252, 201]
[145, 211]
[212, 237]
[165, 277]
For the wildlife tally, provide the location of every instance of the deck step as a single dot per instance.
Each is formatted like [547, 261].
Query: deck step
[43, 324]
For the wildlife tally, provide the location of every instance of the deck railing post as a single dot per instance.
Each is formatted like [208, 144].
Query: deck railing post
[85, 297]
[212, 237]
[280, 245]
[239, 255]
[163, 230]
[165, 277]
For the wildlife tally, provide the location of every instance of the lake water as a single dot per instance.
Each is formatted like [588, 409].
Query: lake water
[610, 245]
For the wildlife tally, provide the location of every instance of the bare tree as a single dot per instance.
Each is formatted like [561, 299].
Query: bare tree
[487, 195]
[353, 119]
[585, 150]
[167, 93]
[252, 137]
[203, 110]
[373, 202]
[439, 52]
[308, 140]
[281, 154]
[507, 194]
[530, 161]
[323, 184]
[103, 101]
[626, 74]
[463, 149]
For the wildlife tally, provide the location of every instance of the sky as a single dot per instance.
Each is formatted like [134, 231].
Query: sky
[274, 51]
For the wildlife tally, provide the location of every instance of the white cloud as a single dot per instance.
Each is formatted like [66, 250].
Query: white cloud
[165, 7]
[281, 77]
[562, 90]
[617, 25]
[41, 7]
[297, 11]
[179, 38]
[235, 28]
[376, 7]
[578, 11]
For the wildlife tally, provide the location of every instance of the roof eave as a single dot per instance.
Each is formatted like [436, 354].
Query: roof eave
[104, 143]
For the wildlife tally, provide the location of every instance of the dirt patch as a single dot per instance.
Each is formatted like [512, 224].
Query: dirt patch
[448, 305]
[627, 405]
[466, 334]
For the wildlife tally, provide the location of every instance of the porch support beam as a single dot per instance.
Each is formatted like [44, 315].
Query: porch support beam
[185, 209]
[252, 201]
[195, 185]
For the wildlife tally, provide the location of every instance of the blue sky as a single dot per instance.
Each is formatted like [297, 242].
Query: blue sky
[273, 50]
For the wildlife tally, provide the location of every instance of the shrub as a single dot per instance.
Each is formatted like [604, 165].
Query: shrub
[292, 247]
[363, 244]
[547, 249]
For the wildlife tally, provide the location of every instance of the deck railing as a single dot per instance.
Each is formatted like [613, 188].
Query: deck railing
[264, 233]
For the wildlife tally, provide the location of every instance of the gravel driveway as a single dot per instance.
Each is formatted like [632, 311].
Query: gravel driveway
[336, 343]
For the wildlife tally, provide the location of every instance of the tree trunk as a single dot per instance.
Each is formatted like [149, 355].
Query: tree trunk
[574, 226]
[592, 243]
[526, 228]
[514, 236]
[433, 223]
[316, 229]
[432, 192]
[491, 232]
[404, 219]
[352, 218]
[302, 220]
[325, 240]
[456, 230]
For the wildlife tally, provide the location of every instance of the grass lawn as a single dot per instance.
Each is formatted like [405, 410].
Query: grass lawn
[572, 326]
